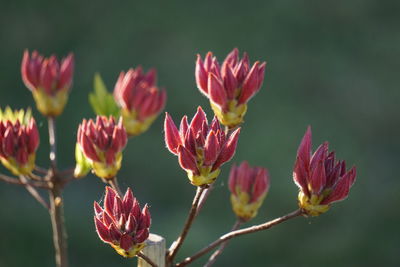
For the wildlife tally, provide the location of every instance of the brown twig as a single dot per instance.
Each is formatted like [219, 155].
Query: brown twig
[114, 184]
[40, 169]
[11, 180]
[35, 194]
[221, 248]
[146, 259]
[173, 250]
[56, 201]
[230, 235]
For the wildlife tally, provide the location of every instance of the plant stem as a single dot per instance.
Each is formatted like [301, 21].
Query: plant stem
[35, 194]
[230, 235]
[56, 201]
[11, 180]
[173, 250]
[147, 259]
[221, 248]
[114, 184]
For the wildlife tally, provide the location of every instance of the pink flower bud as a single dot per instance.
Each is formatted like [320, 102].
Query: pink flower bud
[321, 179]
[19, 140]
[201, 148]
[121, 223]
[249, 187]
[102, 142]
[140, 99]
[49, 80]
[230, 86]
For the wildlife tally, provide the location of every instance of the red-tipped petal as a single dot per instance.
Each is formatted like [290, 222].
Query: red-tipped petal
[211, 149]
[109, 200]
[228, 151]
[126, 242]
[261, 184]
[66, 72]
[232, 179]
[249, 87]
[197, 121]
[128, 201]
[318, 178]
[141, 236]
[186, 160]
[98, 211]
[115, 234]
[304, 150]
[201, 76]
[102, 231]
[216, 90]
[183, 127]
[172, 137]
[300, 173]
[130, 224]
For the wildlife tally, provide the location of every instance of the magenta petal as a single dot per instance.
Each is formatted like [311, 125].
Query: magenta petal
[126, 242]
[142, 235]
[318, 178]
[228, 149]
[172, 137]
[102, 231]
[217, 91]
[211, 149]
[186, 160]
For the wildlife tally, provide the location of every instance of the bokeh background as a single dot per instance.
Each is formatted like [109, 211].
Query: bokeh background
[331, 64]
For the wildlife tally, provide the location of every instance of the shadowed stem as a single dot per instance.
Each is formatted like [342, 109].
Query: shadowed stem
[35, 194]
[221, 248]
[114, 184]
[56, 201]
[146, 259]
[173, 250]
[248, 230]
[11, 180]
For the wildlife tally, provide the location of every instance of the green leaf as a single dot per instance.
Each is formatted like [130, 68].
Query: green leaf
[101, 100]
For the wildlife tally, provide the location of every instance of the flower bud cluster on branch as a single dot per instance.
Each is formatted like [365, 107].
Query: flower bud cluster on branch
[202, 147]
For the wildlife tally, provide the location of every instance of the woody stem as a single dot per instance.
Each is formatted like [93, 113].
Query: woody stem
[221, 248]
[173, 250]
[230, 235]
[56, 201]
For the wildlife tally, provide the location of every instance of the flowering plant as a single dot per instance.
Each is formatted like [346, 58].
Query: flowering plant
[202, 148]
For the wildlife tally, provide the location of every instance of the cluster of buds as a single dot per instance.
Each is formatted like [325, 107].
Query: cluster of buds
[99, 147]
[49, 80]
[249, 187]
[139, 98]
[19, 139]
[230, 86]
[201, 148]
[321, 179]
[121, 223]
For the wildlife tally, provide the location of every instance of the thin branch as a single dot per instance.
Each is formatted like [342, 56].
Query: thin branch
[11, 180]
[41, 170]
[173, 250]
[248, 230]
[114, 184]
[221, 248]
[146, 259]
[56, 201]
[35, 194]
[35, 177]
[52, 141]
[203, 198]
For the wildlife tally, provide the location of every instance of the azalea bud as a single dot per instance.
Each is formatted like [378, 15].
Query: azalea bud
[19, 140]
[200, 147]
[230, 86]
[321, 178]
[121, 223]
[49, 80]
[139, 98]
[101, 144]
[249, 187]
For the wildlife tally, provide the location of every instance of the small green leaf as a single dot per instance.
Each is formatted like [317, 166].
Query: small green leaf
[101, 100]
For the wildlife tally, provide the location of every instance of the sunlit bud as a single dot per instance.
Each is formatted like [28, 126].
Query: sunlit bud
[49, 80]
[121, 223]
[230, 86]
[201, 147]
[321, 178]
[249, 187]
[19, 140]
[140, 99]
[100, 145]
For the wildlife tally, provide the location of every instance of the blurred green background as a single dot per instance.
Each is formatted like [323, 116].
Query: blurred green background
[331, 64]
